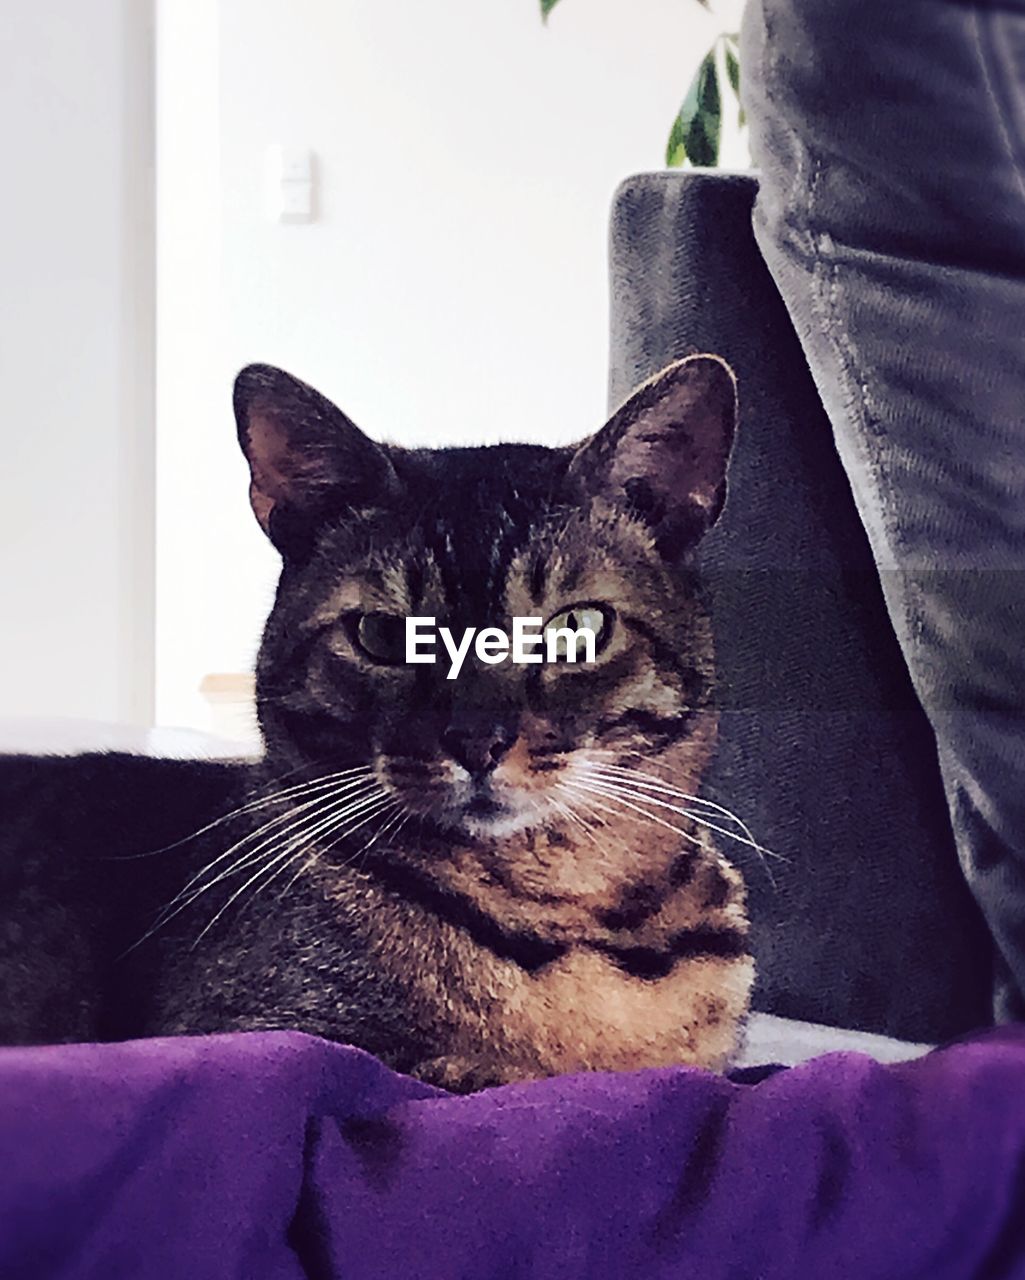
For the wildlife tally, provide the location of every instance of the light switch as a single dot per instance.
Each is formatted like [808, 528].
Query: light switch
[291, 164]
[290, 181]
[294, 202]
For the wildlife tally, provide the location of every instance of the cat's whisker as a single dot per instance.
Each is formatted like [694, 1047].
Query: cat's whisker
[384, 830]
[292, 820]
[621, 794]
[589, 808]
[277, 863]
[394, 835]
[302, 870]
[315, 851]
[564, 807]
[651, 763]
[634, 791]
[651, 774]
[406, 815]
[638, 778]
[626, 804]
[390, 812]
[400, 812]
[293, 816]
[325, 809]
[376, 807]
[293, 849]
[641, 778]
[260, 802]
[195, 889]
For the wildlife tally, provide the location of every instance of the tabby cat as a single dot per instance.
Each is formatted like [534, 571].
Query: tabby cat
[501, 876]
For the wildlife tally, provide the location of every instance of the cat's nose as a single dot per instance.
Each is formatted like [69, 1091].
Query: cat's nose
[478, 748]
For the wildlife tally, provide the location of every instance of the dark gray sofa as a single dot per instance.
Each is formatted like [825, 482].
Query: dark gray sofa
[824, 749]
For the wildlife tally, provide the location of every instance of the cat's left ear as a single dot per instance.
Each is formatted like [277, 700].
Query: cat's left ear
[663, 455]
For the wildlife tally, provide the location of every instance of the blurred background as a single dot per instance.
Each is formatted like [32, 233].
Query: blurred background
[402, 202]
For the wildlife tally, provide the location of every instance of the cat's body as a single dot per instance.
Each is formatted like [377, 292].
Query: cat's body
[472, 879]
[453, 978]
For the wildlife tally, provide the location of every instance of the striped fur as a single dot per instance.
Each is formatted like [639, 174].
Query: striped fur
[556, 931]
[491, 878]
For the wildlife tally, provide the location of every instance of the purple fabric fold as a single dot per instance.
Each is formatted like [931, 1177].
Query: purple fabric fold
[279, 1155]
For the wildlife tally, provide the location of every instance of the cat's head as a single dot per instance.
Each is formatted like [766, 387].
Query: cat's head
[372, 533]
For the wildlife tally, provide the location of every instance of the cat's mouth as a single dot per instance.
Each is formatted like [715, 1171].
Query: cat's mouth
[450, 798]
[484, 805]
[485, 811]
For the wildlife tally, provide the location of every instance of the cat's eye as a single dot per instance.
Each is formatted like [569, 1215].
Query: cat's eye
[382, 636]
[595, 618]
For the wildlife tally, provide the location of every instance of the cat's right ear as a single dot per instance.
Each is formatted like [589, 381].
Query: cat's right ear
[307, 461]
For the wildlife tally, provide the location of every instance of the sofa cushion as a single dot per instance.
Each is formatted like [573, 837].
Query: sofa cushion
[824, 749]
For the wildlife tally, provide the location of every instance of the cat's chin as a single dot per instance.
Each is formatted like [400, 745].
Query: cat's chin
[484, 818]
[495, 826]
[485, 812]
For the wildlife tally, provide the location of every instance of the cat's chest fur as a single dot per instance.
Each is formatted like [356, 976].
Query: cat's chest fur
[509, 985]
[449, 971]
[557, 908]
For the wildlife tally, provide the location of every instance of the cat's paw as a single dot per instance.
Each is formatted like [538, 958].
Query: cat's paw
[469, 1075]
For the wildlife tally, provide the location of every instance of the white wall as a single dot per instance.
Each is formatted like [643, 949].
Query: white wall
[76, 326]
[454, 285]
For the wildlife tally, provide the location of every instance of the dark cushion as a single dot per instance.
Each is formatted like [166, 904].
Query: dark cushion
[824, 748]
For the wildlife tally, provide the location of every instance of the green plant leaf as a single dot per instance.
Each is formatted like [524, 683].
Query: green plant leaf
[733, 70]
[696, 132]
[705, 131]
[546, 7]
[676, 147]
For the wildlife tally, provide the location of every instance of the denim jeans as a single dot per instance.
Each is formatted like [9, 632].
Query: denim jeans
[890, 135]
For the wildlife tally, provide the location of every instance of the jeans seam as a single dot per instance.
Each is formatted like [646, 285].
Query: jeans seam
[988, 81]
[825, 277]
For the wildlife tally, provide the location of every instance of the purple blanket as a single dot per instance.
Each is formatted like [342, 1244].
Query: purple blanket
[279, 1155]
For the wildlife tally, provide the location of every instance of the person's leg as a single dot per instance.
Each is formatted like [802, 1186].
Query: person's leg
[890, 135]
